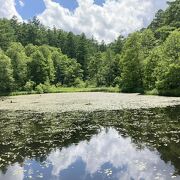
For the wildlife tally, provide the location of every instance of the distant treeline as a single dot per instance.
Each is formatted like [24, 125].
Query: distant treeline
[34, 57]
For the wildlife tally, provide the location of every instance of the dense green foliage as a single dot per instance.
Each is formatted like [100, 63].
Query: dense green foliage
[34, 57]
[6, 73]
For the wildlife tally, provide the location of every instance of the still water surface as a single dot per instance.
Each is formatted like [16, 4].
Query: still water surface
[117, 145]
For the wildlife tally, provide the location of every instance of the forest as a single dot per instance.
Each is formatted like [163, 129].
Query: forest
[35, 58]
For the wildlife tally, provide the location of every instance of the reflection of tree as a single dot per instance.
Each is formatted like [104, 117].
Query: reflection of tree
[156, 128]
[35, 135]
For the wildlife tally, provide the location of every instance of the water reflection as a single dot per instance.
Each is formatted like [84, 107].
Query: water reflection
[107, 155]
[14, 172]
[137, 144]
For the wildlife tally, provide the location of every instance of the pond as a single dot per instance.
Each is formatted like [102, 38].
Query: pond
[117, 145]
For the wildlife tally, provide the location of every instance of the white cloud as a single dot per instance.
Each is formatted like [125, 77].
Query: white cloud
[8, 10]
[104, 22]
[118, 151]
[14, 172]
[21, 3]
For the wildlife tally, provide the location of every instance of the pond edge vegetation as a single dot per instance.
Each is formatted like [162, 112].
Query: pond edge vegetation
[36, 59]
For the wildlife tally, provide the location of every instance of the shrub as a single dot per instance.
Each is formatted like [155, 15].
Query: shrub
[79, 83]
[29, 86]
[39, 89]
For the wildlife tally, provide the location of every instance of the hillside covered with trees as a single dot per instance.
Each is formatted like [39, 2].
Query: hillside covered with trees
[35, 58]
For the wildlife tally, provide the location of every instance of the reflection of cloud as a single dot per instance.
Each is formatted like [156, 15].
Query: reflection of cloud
[120, 152]
[14, 172]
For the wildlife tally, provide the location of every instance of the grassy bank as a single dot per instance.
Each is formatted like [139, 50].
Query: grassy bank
[172, 92]
[53, 89]
[64, 90]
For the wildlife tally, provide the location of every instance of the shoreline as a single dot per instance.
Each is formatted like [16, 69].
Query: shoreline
[84, 101]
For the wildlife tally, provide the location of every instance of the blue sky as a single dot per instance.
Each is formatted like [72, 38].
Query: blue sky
[32, 8]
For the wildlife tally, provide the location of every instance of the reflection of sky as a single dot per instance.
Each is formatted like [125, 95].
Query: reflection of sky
[14, 172]
[106, 156]
[110, 147]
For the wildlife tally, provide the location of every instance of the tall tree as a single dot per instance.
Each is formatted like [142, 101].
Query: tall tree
[172, 14]
[71, 46]
[6, 73]
[132, 65]
[117, 45]
[158, 21]
[147, 42]
[168, 70]
[150, 65]
[45, 50]
[6, 34]
[19, 62]
[38, 68]
[66, 70]
[82, 54]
